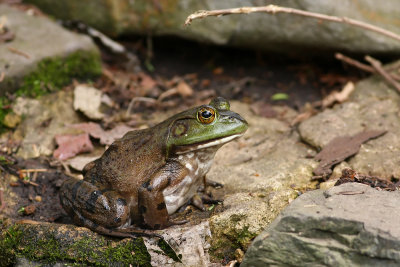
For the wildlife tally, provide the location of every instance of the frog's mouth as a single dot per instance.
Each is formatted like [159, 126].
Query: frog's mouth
[206, 144]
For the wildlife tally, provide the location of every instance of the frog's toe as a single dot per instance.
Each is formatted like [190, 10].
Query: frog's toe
[209, 200]
[197, 201]
[213, 184]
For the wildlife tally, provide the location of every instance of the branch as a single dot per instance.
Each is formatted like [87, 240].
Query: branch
[378, 67]
[366, 67]
[273, 9]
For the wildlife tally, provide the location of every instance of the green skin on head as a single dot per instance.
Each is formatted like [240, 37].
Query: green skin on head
[148, 174]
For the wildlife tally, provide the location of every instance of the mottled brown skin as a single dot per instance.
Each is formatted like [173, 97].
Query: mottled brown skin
[125, 186]
[133, 186]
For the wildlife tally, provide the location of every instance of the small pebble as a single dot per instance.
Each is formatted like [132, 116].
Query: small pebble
[38, 198]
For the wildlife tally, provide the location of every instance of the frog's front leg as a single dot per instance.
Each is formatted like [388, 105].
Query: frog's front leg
[92, 207]
[151, 200]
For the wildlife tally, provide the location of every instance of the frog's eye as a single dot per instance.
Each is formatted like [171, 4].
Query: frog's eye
[206, 115]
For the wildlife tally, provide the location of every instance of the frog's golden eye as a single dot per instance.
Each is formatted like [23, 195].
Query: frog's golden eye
[206, 115]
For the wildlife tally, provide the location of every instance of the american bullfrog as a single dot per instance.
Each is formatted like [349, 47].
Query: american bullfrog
[148, 174]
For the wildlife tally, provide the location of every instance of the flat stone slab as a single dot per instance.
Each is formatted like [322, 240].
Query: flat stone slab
[347, 225]
[374, 105]
[36, 38]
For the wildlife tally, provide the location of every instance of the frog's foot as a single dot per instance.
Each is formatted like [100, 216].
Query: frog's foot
[199, 202]
[213, 184]
[206, 183]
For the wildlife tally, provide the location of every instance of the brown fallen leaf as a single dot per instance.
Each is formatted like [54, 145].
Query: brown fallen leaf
[184, 89]
[339, 149]
[30, 209]
[263, 109]
[351, 176]
[70, 145]
[146, 82]
[106, 137]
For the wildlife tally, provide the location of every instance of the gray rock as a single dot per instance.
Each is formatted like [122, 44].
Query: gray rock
[348, 225]
[262, 173]
[374, 105]
[38, 38]
[280, 32]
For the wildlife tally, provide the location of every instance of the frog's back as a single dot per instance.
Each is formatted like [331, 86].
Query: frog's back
[129, 161]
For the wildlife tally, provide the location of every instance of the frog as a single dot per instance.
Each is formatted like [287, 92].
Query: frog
[148, 174]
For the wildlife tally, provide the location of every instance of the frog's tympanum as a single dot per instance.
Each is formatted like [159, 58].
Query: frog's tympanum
[148, 174]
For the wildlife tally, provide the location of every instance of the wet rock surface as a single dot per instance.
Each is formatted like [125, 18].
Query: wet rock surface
[22, 55]
[347, 225]
[118, 17]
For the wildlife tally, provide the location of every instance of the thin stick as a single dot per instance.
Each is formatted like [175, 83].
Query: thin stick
[2, 76]
[273, 9]
[19, 52]
[33, 170]
[378, 67]
[139, 99]
[365, 67]
[355, 63]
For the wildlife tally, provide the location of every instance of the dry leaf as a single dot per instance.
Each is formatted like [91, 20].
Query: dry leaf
[106, 137]
[184, 89]
[70, 145]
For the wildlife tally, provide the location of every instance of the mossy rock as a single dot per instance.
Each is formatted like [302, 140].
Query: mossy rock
[50, 243]
[53, 73]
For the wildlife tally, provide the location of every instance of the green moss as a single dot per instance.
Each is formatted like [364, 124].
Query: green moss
[49, 246]
[53, 73]
[224, 245]
[168, 250]
[9, 240]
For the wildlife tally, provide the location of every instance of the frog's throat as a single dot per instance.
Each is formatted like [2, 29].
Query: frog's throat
[216, 142]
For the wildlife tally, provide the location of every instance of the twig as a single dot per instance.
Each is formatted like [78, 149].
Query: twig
[2, 76]
[354, 63]
[19, 52]
[378, 67]
[366, 67]
[33, 170]
[168, 93]
[273, 9]
[139, 99]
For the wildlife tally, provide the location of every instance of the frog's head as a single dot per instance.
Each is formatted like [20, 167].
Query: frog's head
[204, 126]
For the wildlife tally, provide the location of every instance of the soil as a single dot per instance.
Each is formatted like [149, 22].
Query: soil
[260, 74]
[45, 186]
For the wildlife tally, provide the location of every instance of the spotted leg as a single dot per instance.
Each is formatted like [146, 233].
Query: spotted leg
[152, 206]
[93, 207]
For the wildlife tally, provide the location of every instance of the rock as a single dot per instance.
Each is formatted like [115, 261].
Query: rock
[88, 100]
[11, 120]
[279, 32]
[348, 225]
[52, 243]
[43, 119]
[374, 105]
[46, 56]
[262, 172]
